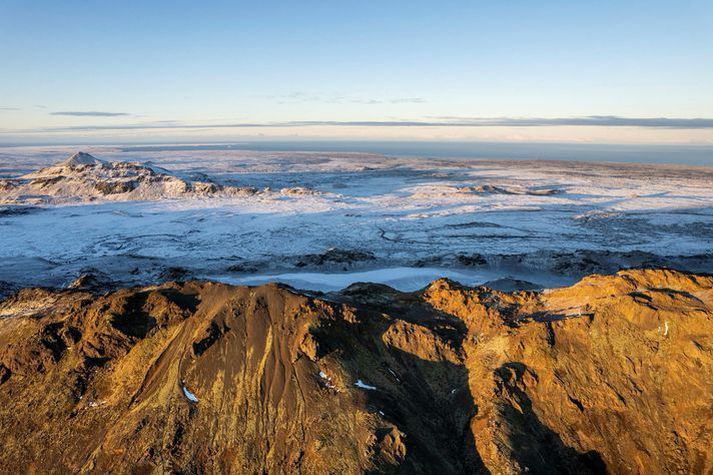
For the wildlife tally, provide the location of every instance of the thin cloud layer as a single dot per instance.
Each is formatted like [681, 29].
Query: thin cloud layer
[306, 97]
[90, 113]
[591, 120]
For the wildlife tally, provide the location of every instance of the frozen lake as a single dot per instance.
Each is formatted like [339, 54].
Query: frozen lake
[401, 278]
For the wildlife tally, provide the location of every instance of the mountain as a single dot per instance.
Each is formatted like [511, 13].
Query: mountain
[612, 374]
[82, 159]
[83, 177]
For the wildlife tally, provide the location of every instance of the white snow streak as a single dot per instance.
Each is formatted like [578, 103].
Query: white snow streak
[361, 384]
[189, 395]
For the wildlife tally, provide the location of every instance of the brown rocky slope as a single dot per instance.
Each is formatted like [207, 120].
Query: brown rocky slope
[612, 374]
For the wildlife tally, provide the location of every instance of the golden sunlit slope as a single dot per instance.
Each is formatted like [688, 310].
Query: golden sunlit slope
[611, 374]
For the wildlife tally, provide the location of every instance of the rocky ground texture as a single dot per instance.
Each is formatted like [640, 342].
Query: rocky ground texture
[612, 374]
[83, 177]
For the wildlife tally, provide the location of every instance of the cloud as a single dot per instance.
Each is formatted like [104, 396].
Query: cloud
[397, 100]
[9, 108]
[305, 97]
[593, 121]
[408, 100]
[90, 113]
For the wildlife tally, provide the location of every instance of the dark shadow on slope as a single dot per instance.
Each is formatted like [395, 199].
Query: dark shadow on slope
[535, 447]
[431, 401]
[142, 312]
[428, 400]
[433, 406]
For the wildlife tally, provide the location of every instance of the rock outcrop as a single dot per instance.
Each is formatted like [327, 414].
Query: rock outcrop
[83, 177]
[612, 374]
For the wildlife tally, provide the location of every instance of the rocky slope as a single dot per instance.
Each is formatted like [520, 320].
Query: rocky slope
[83, 177]
[612, 374]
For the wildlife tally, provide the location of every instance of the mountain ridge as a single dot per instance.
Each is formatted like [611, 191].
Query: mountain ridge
[608, 375]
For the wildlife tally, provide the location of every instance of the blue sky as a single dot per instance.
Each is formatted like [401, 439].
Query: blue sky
[127, 70]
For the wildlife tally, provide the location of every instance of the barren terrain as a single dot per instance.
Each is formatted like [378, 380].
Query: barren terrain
[323, 220]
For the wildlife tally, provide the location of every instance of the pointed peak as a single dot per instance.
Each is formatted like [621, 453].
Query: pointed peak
[82, 159]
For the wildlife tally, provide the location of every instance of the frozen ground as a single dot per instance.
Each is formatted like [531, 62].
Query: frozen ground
[324, 220]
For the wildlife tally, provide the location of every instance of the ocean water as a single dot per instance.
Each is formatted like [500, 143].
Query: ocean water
[700, 155]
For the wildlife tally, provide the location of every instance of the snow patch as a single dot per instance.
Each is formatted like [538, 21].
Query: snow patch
[189, 395]
[328, 381]
[82, 158]
[665, 329]
[361, 384]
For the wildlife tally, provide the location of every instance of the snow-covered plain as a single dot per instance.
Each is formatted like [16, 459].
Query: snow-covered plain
[324, 220]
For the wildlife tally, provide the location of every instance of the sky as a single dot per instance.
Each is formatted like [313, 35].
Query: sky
[512, 70]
